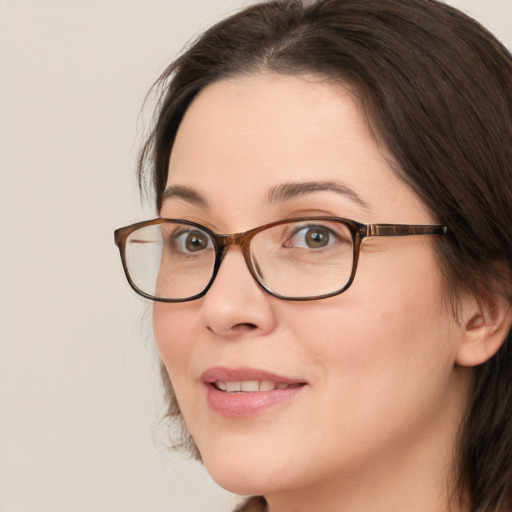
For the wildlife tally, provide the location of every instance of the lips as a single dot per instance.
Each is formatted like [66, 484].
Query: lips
[243, 392]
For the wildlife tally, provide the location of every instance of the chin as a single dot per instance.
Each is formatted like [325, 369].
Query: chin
[241, 473]
[244, 481]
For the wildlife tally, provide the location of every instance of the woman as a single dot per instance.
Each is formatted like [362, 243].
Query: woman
[337, 135]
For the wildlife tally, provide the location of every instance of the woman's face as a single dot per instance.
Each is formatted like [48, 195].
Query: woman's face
[372, 383]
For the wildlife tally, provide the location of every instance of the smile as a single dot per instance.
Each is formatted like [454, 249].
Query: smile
[251, 386]
[245, 392]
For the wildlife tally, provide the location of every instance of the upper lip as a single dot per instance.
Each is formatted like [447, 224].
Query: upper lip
[240, 374]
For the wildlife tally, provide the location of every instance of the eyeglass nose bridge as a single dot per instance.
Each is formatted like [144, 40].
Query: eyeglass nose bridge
[243, 240]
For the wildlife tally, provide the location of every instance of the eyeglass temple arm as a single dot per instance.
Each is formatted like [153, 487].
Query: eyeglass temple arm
[403, 230]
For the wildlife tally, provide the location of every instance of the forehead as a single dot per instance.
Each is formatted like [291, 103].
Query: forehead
[244, 136]
[276, 119]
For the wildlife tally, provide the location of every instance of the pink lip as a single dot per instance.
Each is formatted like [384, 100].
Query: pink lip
[244, 373]
[241, 405]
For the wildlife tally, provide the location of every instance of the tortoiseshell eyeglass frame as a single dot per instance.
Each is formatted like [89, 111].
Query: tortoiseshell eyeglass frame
[221, 243]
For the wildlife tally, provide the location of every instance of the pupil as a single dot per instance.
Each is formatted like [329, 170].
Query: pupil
[196, 242]
[317, 238]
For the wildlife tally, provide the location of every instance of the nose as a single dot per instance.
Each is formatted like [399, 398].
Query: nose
[236, 305]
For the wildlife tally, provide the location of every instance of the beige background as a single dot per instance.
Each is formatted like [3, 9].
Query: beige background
[78, 393]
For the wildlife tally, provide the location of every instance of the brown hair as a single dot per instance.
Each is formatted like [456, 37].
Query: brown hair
[437, 91]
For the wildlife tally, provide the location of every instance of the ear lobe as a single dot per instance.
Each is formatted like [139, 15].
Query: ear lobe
[485, 327]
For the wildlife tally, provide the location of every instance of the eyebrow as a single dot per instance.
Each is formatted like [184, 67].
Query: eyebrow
[287, 191]
[278, 194]
[186, 193]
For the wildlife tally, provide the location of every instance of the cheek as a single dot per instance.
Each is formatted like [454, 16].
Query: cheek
[389, 336]
[173, 328]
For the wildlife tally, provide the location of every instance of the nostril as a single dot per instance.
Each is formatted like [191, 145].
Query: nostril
[236, 329]
[244, 327]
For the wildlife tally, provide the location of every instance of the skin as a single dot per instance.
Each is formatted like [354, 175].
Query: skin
[375, 427]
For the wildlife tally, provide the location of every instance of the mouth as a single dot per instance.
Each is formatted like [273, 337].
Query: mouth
[245, 392]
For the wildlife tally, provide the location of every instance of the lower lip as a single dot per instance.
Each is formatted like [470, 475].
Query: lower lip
[243, 405]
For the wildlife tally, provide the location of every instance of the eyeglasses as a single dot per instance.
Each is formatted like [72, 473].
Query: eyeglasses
[307, 258]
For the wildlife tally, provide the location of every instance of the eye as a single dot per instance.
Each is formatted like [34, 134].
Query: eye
[312, 237]
[191, 241]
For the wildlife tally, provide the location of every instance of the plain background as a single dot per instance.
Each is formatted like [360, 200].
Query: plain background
[79, 396]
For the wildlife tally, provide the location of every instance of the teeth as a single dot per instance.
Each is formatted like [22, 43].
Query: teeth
[267, 385]
[249, 386]
[221, 385]
[233, 387]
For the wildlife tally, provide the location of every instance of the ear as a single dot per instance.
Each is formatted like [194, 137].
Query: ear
[486, 323]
